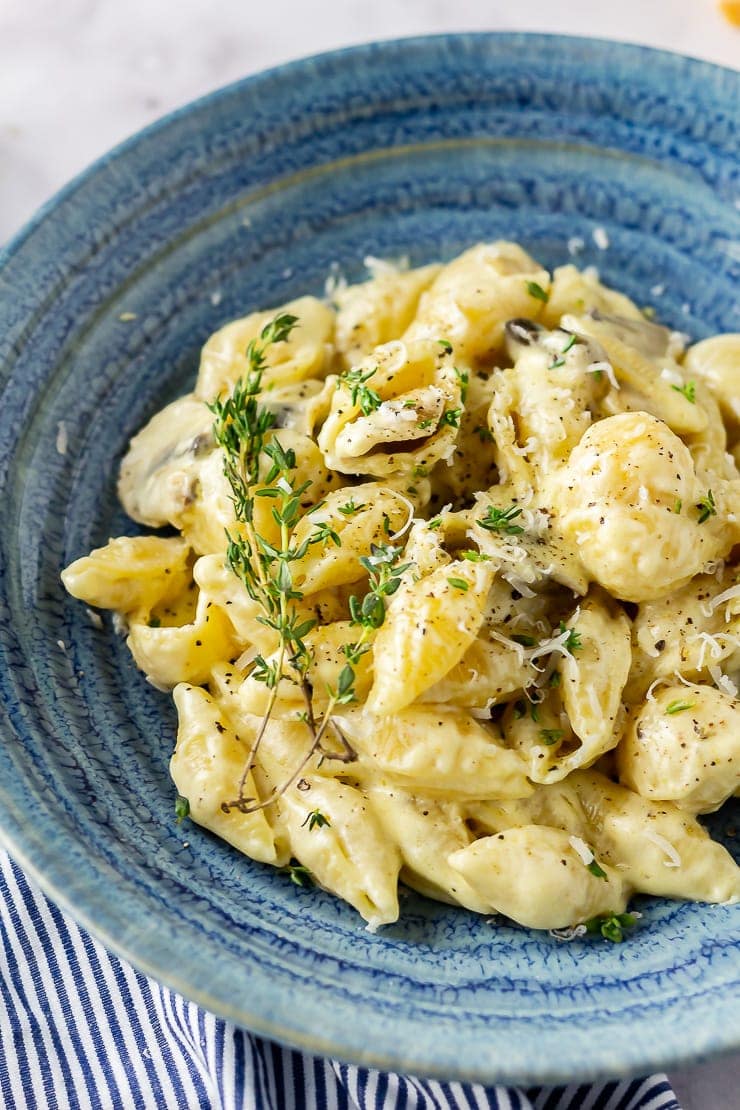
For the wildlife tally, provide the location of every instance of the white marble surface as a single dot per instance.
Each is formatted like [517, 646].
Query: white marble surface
[77, 76]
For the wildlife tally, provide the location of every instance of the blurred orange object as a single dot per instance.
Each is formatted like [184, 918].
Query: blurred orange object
[731, 11]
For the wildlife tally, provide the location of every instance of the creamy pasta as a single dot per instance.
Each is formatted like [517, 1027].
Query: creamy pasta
[454, 597]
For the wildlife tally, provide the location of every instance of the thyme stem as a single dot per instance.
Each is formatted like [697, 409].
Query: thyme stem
[244, 431]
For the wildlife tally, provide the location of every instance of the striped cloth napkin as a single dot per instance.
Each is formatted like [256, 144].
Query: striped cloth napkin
[81, 1029]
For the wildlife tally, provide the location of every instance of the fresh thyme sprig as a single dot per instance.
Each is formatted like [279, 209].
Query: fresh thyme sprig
[573, 641]
[265, 566]
[450, 417]
[240, 423]
[706, 507]
[361, 394]
[611, 926]
[501, 520]
[384, 578]
[384, 574]
[349, 508]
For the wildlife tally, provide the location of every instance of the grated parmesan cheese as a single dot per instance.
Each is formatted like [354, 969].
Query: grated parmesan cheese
[555, 643]
[531, 447]
[600, 238]
[120, 624]
[484, 713]
[535, 521]
[384, 267]
[722, 681]
[684, 681]
[710, 642]
[398, 356]
[62, 438]
[246, 657]
[604, 368]
[517, 583]
[410, 520]
[649, 695]
[720, 599]
[714, 644]
[673, 858]
[677, 343]
[582, 850]
[511, 644]
[335, 282]
[671, 376]
[569, 933]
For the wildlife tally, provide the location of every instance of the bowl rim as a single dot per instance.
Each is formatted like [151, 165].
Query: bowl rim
[726, 1040]
[129, 142]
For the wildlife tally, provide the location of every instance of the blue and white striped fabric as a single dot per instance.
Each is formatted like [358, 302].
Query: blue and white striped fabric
[80, 1028]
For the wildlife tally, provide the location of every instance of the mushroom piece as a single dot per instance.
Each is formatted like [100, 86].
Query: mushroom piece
[521, 334]
[651, 340]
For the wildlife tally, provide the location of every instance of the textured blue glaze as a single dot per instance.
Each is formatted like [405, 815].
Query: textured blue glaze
[419, 147]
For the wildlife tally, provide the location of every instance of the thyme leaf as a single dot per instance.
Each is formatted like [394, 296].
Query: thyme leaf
[500, 520]
[706, 507]
[678, 707]
[537, 292]
[688, 391]
[182, 809]
[361, 394]
[316, 820]
[611, 926]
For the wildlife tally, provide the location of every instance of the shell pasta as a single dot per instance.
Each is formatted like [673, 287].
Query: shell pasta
[455, 596]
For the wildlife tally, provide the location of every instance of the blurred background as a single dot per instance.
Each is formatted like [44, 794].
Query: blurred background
[77, 76]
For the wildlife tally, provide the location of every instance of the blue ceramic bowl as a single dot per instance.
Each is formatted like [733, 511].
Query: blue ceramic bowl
[246, 199]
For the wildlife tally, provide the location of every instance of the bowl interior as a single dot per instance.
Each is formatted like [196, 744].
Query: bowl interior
[243, 201]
